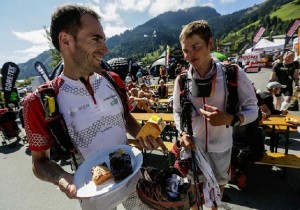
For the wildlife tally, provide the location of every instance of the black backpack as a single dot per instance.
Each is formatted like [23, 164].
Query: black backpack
[248, 140]
[62, 146]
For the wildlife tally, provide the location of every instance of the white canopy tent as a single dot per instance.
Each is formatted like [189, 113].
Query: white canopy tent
[265, 45]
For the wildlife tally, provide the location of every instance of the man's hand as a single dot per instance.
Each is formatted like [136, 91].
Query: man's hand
[149, 143]
[216, 117]
[66, 185]
[186, 141]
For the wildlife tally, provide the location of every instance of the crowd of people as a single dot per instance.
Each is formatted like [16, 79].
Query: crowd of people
[88, 103]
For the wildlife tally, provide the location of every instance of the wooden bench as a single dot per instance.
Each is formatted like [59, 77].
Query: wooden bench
[280, 128]
[280, 160]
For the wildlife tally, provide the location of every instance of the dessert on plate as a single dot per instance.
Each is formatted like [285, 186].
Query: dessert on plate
[120, 164]
[100, 173]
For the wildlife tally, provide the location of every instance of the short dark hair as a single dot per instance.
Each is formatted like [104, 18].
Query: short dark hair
[197, 27]
[67, 18]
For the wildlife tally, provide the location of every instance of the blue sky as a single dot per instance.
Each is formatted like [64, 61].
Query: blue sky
[22, 22]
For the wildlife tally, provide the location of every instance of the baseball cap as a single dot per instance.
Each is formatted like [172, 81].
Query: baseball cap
[275, 84]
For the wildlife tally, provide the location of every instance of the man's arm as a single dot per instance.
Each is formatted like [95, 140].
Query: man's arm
[273, 73]
[47, 170]
[273, 76]
[296, 77]
[132, 126]
[44, 168]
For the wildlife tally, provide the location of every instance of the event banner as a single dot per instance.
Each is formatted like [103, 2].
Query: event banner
[168, 52]
[41, 69]
[259, 34]
[129, 64]
[10, 72]
[298, 44]
[293, 28]
[104, 65]
[57, 70]
[291, 31]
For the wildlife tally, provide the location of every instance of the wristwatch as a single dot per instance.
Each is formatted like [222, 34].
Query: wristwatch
[236, 121]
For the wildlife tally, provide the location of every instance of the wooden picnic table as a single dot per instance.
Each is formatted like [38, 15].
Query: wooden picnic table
[163, 101]
[168, 117]
[279, 123]
[167, 84]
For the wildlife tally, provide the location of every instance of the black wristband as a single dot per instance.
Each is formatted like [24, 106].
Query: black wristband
[236, 121]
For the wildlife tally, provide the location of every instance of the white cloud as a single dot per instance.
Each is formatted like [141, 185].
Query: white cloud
[34, 37]
[158, 7]
[111, 30]
[208, 4]
[111, 20]
[227, 1]
[33, 51]
[12, 58]
[108, 11]
[134, 5]
[38, 42]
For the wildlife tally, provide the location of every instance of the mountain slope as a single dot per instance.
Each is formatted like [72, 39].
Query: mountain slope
[237, 28]
[27, 69]
[167, 27]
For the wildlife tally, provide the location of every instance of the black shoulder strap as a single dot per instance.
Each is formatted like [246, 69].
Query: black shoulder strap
[121, 91]
[57, 126]
[231, 73]
[182, 86]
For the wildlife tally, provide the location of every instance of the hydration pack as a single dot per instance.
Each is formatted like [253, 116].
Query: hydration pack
[62, 145]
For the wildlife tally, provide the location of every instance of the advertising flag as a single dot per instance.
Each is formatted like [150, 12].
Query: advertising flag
[259, 34]
[298, 43]
[293, 28]
[168, 51]
[129, 64]
[291, 31]
[10, 72]
[41, 69]
[57, 70]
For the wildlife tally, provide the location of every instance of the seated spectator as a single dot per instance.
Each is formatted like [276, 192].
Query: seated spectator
[144, 91]
[273, 88]
[138, 105]
[162, 89]
[130, 85]
[163, 73]
[139, 76]
[128, 78]
[146, 80]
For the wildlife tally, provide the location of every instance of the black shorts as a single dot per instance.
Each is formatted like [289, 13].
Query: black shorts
[288, 91]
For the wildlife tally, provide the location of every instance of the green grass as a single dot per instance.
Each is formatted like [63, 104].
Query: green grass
[288, 12]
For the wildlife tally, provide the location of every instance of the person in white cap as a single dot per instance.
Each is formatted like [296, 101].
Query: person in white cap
[266, 105]
[285, 73]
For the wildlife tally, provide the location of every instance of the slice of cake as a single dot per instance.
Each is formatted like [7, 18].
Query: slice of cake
[100, 173]
[120, 164]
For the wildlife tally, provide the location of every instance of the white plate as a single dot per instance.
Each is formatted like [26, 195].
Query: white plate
[83, 177]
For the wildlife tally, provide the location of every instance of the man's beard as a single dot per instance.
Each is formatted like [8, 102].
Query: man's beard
[85, 61]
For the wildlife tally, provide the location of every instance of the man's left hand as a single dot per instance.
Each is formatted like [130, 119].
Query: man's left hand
[214, 116]
[149, 143]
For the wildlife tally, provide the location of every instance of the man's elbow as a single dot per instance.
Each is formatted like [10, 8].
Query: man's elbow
[36, 168]
[39, 162]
